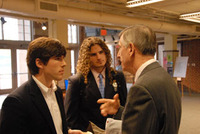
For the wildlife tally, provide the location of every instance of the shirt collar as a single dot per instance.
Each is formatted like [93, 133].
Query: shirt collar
[43, 87]
[142, 67]
[96, 74]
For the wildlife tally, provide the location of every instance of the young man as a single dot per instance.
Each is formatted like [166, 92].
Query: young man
[84, 88]
[36, 107]
[153, 103]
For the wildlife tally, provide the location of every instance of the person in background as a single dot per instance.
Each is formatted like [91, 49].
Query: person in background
[36, 107]
[118, 66]
[83, 90]
[154, 102]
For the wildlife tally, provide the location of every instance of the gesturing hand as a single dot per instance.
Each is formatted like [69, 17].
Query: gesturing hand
[109, 106]
[70, 131]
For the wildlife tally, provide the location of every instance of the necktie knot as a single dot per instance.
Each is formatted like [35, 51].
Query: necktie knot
[100, 76]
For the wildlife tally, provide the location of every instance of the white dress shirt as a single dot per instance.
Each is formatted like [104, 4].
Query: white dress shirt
[96, 76]
[50, 98]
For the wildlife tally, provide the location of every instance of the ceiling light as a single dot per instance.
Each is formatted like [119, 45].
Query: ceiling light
[44, 27]
[135, 3]
[195, 17]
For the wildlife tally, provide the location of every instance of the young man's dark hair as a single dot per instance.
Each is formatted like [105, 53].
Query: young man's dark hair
[43, 48]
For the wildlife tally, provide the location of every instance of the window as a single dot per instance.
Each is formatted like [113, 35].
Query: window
[10, 29]
[72, 34]
[72, 62]
[22, 69]
[15, 29]
[73, 42]
[15, 35]
[13, 68]
[5, 69]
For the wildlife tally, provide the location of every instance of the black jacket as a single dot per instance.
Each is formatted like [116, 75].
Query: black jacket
[81, 100]
[25, 111]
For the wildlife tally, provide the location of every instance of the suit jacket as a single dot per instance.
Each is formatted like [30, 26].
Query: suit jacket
[25, 111]
[153, 104]
[81, 100]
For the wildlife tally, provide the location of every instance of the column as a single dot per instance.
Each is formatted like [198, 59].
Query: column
[59, 29]
[170, 53]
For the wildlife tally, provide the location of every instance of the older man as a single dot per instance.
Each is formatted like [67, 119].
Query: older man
[153, 103]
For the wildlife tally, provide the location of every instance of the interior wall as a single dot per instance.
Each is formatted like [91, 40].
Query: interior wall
[191, 48]
[29, 8]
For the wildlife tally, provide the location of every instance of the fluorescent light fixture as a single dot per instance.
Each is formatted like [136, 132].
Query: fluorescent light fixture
[194, 17]
[135, 3]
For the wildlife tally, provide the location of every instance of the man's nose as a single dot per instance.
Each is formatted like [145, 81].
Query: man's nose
[64, 63]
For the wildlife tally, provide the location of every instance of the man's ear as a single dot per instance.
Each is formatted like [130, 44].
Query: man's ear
[39, 63]
[131, 48]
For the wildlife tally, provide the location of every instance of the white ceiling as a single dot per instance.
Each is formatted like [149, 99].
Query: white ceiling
[162, 16]
[165, 11]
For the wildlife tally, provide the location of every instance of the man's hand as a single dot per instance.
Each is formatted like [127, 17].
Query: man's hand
[70, 131]
[109, 106]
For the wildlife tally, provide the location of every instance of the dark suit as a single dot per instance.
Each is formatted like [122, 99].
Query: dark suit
[25, 111]
[81, 100]
[153, 104]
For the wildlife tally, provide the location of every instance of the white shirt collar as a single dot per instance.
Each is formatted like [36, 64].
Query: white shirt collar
[42, 87]
[96, 74]
[142, 67]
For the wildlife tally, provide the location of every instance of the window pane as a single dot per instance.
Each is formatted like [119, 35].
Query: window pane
[27, 23]
[21, 31]
[21, 36]
[20, 22]
[1, 31]
[22, 70]
[69, 34]
[74, 34]
[5, 69]
[27, 29]
[11, 29]
[15, 29]
[27, 26]
[27, 37]
[72, 63]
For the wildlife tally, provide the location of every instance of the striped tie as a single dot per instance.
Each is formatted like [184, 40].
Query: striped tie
[101, 86]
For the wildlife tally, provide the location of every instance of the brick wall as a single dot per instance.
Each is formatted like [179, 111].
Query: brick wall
[191, 48]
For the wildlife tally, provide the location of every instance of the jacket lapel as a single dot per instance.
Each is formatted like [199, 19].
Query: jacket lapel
[109, 88]
[92, 86]
[40, 103]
